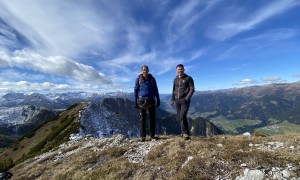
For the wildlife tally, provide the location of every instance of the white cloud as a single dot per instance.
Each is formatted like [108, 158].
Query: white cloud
[65, 30]
[69, 28]
[96, 42]
[13, 75]
[181, 23]
[167, 64]
[57, 65]
[184, 16]
[231, 28]
[246, 81]
[276, 79]
[7, 37]
[130, 64]
[296, 76]
[238, 68]
[275, 35]
[4, 59]
[196, 54]
[265, 80]
[228, 53]
[28, 86]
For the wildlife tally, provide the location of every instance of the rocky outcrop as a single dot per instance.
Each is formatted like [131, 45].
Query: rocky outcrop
[150, 157]
[99, 121]
[203, 127]
[123, 107]
[18, 121]
[165, 122]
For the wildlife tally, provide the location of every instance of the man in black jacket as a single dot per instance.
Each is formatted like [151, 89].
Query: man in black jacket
[183, 90]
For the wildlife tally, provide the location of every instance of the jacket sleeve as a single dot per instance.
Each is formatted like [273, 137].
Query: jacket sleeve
[173, 90]
[156, 90]
[136, 89]
[191, 88]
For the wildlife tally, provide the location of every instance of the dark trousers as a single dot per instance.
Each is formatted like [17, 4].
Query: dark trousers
[182, 107]
[151, 111]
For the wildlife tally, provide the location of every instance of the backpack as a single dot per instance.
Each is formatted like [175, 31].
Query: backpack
[141, 78]
[146, 102]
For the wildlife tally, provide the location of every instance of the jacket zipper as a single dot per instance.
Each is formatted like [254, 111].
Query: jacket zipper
[178, 87]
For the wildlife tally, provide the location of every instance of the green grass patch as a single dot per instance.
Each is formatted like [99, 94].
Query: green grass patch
[194, 113]
[273, 121]
[281, 128]
[56, 136]
[6, 164]
[232, 125]
[72, 106]
[1, 150]
[206, 114]
[31, 133]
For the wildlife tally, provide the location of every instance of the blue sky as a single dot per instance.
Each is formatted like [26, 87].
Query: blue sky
[99, 45]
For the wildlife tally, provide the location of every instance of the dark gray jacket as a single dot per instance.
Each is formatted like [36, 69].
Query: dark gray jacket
[183, 87]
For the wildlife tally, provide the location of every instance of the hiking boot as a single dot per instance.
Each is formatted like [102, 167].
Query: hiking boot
[186, 137]
[143, 139]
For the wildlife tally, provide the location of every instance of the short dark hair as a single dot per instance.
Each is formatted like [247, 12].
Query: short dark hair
[144, 66]
[179, 65]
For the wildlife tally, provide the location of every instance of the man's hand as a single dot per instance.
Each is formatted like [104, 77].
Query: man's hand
[158, 103]
[172, 103]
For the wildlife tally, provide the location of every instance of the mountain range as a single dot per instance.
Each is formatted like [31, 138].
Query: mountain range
[253, 107]
[273, 109]
[41, 127]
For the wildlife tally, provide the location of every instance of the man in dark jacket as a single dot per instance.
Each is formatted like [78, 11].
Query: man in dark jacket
[145, 91]
[183, 90]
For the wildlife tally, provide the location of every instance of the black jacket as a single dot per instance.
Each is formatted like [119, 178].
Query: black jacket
[183, 87]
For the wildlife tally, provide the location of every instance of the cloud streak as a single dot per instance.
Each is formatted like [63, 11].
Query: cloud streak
[264, 80]
[99, 42]
[246, 81]
[276, 79]
[28, 86]
[57, 65]
[296, 75]
[25, 86]
[231, 28]
[81, 25]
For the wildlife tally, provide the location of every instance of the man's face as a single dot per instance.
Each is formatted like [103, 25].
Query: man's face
[180, 71]
[145, 71]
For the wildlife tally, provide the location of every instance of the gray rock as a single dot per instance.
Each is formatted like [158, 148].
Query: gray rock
[247, 134]
[256, 174]
[286, 173]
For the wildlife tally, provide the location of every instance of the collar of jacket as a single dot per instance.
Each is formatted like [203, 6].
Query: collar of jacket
[148, 77]
[184, 75]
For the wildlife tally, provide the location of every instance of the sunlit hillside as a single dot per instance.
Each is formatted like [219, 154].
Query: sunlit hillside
[169, 157]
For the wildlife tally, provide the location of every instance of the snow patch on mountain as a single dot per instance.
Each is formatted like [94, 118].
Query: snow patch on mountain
[100, 122]
[18, 115]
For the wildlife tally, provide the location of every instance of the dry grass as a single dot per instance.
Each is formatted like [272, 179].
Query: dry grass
[210, 160]
[212, 157]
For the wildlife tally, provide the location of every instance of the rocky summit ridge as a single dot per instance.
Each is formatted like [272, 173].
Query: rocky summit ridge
[56, 150]
[168, 157]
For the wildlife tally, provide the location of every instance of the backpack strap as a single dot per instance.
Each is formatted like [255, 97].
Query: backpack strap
[141, 78]
[140, 81]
